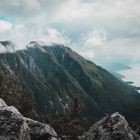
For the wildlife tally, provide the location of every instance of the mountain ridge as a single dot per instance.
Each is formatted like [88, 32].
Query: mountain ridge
[56, 75]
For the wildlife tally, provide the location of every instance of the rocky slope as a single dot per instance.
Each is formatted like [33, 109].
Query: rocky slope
[113, 127]
[55, 75]
[14, 126]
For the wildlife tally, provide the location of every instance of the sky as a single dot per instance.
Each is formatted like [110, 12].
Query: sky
[100, 30]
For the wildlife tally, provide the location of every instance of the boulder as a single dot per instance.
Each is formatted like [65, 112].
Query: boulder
[113, 127]
[40, 131]
[14, 126]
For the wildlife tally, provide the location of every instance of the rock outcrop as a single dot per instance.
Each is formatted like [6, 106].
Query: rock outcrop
[40, 131]
[14, 126]
[113, 127]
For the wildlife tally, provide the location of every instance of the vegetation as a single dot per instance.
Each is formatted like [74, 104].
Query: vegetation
[69, 125]
[16, 95]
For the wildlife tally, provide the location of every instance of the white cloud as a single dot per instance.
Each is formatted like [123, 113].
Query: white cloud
[132, 75]
[22, 35]
[55, 36]
[113, 25]
[4, 26]
[69, 9]
[93, 38]
[20, 9]
[90, 41]
[78, 9]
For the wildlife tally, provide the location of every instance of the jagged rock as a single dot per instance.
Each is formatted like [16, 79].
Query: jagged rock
[113, 127]
[14, 126]
[40, 131]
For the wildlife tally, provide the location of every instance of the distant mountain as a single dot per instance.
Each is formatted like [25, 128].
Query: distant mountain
[117, 66]
[56, 75]
[112, 65]
[117, 75]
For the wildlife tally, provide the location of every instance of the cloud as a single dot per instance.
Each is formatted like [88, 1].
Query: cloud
[55, 36]
[100, 29]
[22, 35]
[81, 9]
[69, 9]
[89, 41]
[125, 50]
[97, 46]
[132, 75]
[5, 26]
[93, 38]
[19, 8]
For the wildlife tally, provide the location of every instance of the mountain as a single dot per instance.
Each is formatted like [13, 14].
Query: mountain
[55, 75]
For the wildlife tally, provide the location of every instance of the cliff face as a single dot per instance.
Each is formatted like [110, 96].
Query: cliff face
[55, 75]
[113, 127]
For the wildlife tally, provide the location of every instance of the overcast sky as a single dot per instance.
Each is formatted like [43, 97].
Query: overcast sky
[97, 29]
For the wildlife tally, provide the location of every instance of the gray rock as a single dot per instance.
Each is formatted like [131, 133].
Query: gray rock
[14, 126]
[40, 131]
[113, 127]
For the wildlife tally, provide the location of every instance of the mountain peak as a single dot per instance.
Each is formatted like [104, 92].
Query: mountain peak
[42, 43]
[43, 46]
[35, 44]
[7, 46]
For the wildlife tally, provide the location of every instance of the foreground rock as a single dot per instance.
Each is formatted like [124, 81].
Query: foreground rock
[40, 131]
[14, 126]
[113, 127]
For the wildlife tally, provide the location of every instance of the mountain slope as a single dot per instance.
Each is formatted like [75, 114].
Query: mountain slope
[56, 75]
